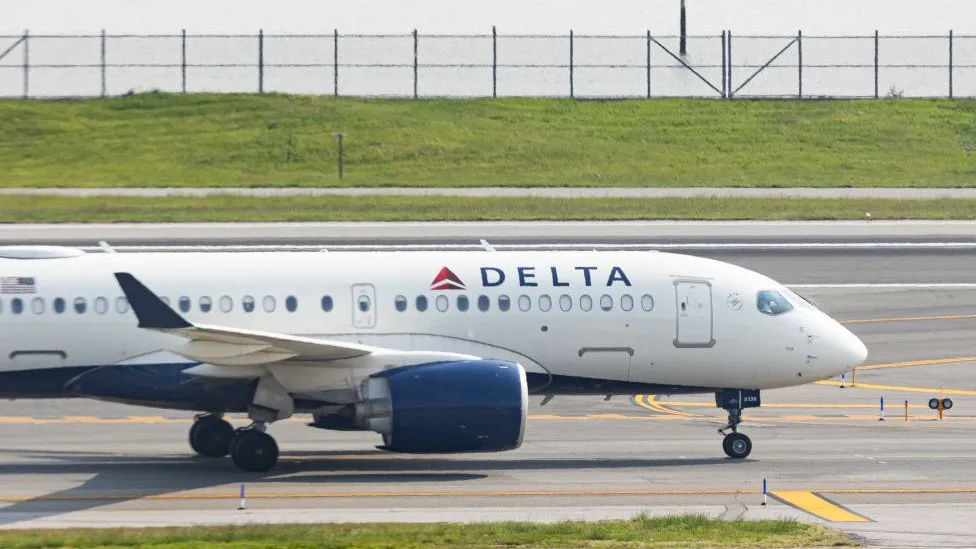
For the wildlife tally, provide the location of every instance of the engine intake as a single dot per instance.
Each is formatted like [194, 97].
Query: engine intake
[447, 407]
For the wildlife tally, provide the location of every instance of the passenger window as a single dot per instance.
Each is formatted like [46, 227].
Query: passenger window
[121, 305]
[165, 300]
[58, 305]
[205, 304]
[184, 303]
[421, 303]
[291, 304]
[504, 303]
[16, 305]
[565, 302]
[771, 302]
[327, 303]
[647, 302]
[37, 306]
[226, 303]
[248, 304]
[586, 302]
[545, 303]
[80, 305]
[269, 303]
[441, 303]
[484, 302]
[101, 305]
[400, 303]
[626, 302]
[606, 302]
[364, 303]
[525, 303]
[462, 303]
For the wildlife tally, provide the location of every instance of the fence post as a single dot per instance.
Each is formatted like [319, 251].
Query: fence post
[103, 62]
[260, 60]
[494, 61]
[725, 69]
[876, 70]
[648, 64]
[26, 64]
[183, 60]
[415, 48]
[950, 63]
[335, 62]
[731, 94]
[572, 93]
[799, 63]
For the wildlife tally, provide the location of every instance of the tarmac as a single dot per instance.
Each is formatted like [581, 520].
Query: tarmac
[824, 452]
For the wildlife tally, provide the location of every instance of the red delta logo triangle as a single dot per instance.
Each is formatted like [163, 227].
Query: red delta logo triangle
[446, 280]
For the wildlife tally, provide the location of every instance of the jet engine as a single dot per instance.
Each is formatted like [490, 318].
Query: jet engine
[446, 407]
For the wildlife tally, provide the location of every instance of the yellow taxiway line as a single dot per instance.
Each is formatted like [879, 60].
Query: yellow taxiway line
[929, 390]
[907, 319]
[910, 363]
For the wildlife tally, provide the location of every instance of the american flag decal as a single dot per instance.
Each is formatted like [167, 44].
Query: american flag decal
[18, 285]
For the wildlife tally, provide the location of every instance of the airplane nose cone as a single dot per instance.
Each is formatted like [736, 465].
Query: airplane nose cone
[857, 353]
[850, 350]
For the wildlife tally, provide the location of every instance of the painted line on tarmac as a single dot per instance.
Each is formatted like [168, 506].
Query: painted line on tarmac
[907, 319]
[233, 493]
[818, 506]
[899, 388]
[910, 363]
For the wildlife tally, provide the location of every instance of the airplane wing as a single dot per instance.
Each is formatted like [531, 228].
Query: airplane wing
[224, 346]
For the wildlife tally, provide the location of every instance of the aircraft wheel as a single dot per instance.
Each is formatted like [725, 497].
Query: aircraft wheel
[737, 445]
[211, 437]
[254, 451]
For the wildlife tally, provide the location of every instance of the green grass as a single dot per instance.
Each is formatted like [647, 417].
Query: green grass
[642, 532]
[52, 209]
[275, 140]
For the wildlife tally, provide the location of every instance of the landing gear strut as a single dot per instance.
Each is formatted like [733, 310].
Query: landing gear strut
[211, 435]
[736, 444]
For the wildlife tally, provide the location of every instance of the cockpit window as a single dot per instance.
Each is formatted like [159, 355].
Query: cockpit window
[771, 302]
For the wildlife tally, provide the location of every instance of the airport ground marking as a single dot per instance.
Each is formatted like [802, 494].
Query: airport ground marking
[899, 388]
[910, 363]
[908, 319]
[817, 505]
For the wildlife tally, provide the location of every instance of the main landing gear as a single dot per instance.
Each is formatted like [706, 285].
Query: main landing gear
[250, 448]
[736, 444]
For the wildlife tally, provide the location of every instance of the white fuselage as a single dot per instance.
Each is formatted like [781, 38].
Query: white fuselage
[643, 317]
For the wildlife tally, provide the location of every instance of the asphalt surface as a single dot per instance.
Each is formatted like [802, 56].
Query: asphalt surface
[906, 484]
[548, 192]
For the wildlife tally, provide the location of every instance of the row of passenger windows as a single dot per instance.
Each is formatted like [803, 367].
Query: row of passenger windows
[205, 304]
[524, 302]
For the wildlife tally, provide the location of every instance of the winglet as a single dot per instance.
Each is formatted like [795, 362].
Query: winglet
[149, 309]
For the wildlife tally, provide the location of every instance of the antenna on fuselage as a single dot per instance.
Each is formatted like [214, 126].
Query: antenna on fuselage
[487, 246]
[106, 247]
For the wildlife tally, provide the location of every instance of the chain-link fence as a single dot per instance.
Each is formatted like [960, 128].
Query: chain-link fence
[491, 65]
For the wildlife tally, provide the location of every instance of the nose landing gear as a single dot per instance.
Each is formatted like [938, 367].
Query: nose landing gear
[736, 444]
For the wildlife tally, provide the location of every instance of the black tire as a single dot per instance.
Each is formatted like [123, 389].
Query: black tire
[211, 437]
[254, 451]
[737, 445]
[947, 404]
[934, 403]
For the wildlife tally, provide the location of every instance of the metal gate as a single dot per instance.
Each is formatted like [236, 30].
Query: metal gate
[693, 327]
[363, 305]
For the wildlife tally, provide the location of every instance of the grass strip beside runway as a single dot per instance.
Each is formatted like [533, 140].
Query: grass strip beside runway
[642, 532]
[151, 140]
[55, 209]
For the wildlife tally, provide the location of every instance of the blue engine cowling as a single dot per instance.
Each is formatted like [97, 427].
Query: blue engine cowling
[447, 407]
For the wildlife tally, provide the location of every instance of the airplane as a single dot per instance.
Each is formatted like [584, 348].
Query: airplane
[437, 351]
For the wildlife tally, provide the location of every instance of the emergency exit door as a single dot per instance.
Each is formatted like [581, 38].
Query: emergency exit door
[694, 314]
[363, 305]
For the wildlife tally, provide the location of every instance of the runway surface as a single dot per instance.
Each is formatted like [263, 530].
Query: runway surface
[548, 192]
[824, 453]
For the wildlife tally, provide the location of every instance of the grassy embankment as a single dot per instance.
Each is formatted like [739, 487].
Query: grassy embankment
[387, 208]
[686, 532]
[272, 140]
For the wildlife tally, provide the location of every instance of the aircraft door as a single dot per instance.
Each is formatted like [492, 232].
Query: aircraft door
[694, 314]
[363, 305]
